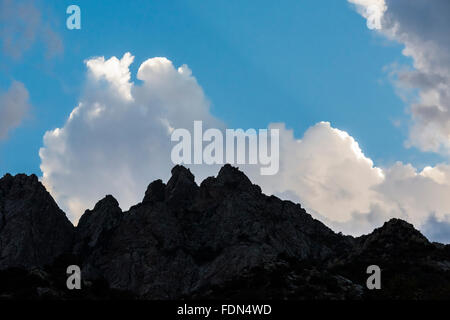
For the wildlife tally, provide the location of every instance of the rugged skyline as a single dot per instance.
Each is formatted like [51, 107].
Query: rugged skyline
[222, 239]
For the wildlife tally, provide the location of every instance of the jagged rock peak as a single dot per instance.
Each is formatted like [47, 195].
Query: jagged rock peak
[180, 172]
[155, 192]
[33, 230]
[20, 180]
[398, 223]
[396, 238]
[21, 176]
[399, 228]
[105, 211]
[107, 202]
[105, 216]
[181, 188]
[229, 175]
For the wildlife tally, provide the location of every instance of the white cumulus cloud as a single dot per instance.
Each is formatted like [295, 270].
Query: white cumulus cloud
[117, 139]
[327, 172]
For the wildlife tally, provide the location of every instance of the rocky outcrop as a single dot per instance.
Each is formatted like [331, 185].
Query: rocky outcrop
[94, 224]
[183, 237]
[33, 230]
[222, 239]
[412, 267]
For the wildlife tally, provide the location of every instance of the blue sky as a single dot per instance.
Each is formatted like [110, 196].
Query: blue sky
[297, 62]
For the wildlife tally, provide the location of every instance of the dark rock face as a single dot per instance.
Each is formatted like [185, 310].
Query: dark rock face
[94, 224]
[222, 239]
[33, 230]
[412, 267]
[194, 236]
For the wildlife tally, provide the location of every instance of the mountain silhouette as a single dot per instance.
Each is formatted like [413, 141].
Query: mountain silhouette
[222, 239]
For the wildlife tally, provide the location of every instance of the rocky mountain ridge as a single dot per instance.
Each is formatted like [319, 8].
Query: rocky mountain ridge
[221, 239]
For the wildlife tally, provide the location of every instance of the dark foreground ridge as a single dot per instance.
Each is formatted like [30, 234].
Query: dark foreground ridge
[222, 239]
